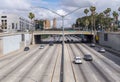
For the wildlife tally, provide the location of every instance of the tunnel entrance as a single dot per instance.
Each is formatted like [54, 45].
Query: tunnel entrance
[89, 38]
[46, 39]
[37, 39]
[86, 38]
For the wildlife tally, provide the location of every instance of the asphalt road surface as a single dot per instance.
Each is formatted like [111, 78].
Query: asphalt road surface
[44, 65]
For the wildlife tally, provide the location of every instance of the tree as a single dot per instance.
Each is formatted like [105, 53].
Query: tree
[86, 11]
[108, 11]
[108, 19]
[31, 15]
[100, 20]
[86, 21]
[92, 9]
[115, 15]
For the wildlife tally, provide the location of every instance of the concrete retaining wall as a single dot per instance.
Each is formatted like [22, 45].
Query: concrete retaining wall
[9, 44]
[113, 40]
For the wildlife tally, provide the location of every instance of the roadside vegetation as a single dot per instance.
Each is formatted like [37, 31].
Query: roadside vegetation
[103, 21]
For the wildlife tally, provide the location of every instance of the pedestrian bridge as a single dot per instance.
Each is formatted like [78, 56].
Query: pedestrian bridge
[61, 32]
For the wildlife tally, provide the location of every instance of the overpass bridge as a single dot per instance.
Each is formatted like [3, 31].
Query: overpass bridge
[36, 35]
[21, 39]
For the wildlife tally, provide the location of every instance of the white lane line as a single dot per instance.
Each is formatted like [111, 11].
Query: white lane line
[113, 75]
[95, 78]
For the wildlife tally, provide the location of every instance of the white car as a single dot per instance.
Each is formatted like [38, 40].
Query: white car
[41, 46]
[77, 60]
[102, 50]
[92, 45]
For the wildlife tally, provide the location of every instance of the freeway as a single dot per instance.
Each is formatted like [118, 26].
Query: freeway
[101, 69]
[39, 65]
[44, 65]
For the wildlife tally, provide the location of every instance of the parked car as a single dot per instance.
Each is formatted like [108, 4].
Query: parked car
[102, 50]
[26, 48]
[77, 60]
[88, 57]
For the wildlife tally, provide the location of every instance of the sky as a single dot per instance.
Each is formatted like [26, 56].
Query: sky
[42, 8]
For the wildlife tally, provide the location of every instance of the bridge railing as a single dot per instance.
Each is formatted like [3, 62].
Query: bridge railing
[65, 32]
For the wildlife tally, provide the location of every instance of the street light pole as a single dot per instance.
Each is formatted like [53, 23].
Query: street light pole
[63, 32]
[118, 16]
[62, 59]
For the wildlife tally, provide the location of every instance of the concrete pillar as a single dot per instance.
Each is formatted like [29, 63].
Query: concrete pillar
[33, 39]
[22, 45]
[1, 46]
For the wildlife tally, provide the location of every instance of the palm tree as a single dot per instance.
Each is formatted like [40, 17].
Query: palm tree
[115, 15]
[86, 21]
[108, 11]
[31, 16]
[92, 9]
[86, 11]
[105, 12]
[101, 16]
[108, 20]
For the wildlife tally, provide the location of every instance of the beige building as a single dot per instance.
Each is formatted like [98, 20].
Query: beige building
[54, 23]
[47, 24]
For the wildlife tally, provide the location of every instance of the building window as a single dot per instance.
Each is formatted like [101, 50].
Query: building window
[105, 37]
[2, 21]
[3, 16]
[13, 26]
[4, 24]
[16, 25]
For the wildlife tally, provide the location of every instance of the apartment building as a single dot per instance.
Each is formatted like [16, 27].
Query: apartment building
[14, 22]
[47, 24]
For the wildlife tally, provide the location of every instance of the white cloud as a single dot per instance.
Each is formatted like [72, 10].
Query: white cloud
[14, 4]
[76, 3]
[61, 12]
[66, 7]
[101, 5]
